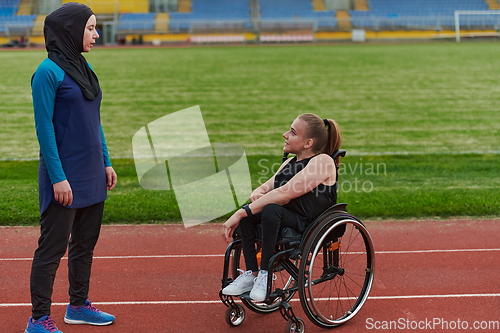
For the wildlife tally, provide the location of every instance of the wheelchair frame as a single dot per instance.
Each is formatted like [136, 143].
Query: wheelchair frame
[322, 260]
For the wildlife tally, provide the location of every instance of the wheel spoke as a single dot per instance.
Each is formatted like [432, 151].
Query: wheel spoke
[349, 243]
[338, 295]
[347, 288]
[354, 281]
[356, 254]
[363, 275]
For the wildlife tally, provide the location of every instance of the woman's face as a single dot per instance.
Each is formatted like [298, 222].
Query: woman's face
[90, 34]
[295, 140]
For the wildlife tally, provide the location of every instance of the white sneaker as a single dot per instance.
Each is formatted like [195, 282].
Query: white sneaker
[259, 290]
[243, 283]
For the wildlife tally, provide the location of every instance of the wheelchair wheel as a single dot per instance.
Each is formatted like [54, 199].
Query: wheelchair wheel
[336, 270]
[292, 327]
[235, 316]
[283, 281]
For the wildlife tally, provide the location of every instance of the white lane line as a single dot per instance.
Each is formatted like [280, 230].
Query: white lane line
[134, 257]
[121, 303]
[436, 251]
[434, 296]
[222, 255]
[4, 305]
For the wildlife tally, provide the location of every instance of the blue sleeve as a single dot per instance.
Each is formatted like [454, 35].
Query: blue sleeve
[44, 85]
[107, 162]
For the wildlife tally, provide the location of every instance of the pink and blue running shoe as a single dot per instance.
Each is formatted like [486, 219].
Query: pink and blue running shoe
[42, 325]
[87, 314]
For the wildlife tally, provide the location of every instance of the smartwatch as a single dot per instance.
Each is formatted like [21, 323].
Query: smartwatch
[248, 210]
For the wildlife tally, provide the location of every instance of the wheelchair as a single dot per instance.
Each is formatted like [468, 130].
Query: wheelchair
[330, 265]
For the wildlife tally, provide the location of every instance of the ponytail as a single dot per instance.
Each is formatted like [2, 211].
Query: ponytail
[325, 134]
[334, 139]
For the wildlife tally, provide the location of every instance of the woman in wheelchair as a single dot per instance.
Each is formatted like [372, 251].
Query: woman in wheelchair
[302, 189]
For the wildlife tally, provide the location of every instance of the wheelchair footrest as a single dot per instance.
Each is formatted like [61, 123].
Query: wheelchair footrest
[227, 300]
[270, 300]
[245, 296]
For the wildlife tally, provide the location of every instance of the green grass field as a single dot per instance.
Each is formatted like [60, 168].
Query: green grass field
[427, 113]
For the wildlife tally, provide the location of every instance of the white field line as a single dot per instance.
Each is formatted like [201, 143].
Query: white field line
[5, 305]
[222, 255]
[385, 153]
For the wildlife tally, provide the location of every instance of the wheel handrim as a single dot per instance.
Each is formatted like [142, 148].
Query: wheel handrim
[361, 281]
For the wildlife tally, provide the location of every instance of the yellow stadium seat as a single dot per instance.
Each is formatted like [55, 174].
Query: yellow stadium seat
[493, 4]
[136, 6]
[98, 6]
[37, 29]
[24, 8]
[344, 20]
[112, 6]
[184, 6]
[318, 5]
[361, 5]
[161, 22]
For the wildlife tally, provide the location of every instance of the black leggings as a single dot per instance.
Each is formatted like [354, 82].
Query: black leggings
[57, 224]
[272, 218]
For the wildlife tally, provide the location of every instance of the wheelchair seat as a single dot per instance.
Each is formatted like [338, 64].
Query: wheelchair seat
[289, 237]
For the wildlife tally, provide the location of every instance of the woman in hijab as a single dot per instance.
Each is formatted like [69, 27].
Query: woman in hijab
[74, 171]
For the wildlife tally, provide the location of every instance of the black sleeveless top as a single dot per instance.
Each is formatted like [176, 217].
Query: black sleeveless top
[310, 205]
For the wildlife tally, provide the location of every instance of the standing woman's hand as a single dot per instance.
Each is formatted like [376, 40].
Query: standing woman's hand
[110, 178]
[63, 193]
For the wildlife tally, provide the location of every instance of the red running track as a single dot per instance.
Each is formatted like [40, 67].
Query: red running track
[441, 275]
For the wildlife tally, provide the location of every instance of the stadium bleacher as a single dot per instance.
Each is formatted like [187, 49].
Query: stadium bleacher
[423, 7]
[257, 17]
[8, 7]
[325, 19]
[179, 21]
[282, 15]
[387, 14]
[236, 15]
[213, 10]
[220, 9]
[296, 9]
[271, 9]
[9, 21]
[137, 22]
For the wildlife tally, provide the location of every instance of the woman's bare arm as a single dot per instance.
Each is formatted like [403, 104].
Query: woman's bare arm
[267, 186]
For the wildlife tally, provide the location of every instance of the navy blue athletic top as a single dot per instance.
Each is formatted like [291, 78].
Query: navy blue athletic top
[72, 144]
[310, 205]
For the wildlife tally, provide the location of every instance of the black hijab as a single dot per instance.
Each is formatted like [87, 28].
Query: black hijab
[63, 33]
